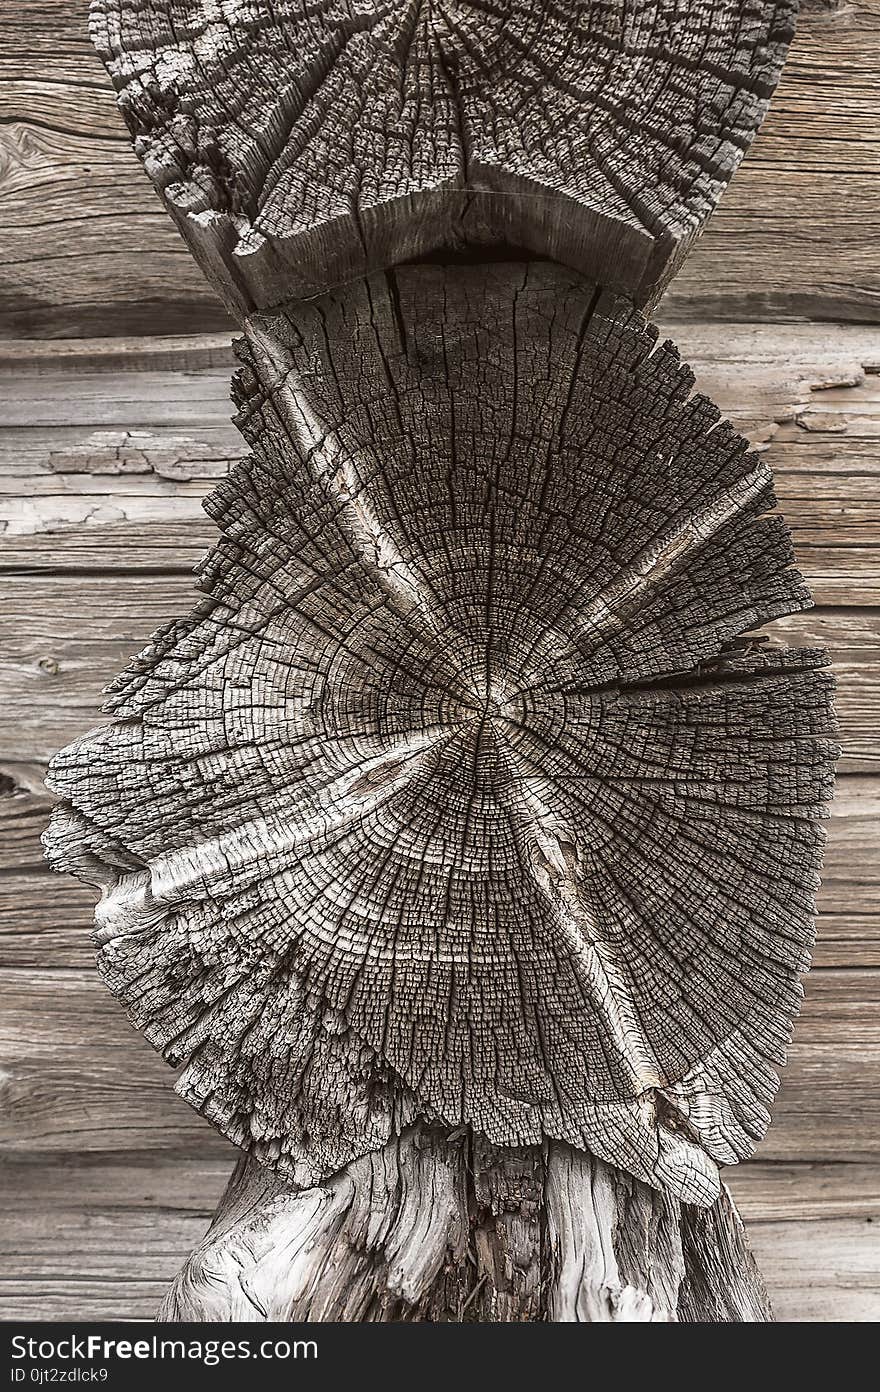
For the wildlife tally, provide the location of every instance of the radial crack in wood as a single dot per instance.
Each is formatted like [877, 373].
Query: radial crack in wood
[460, 796]
[298, 147]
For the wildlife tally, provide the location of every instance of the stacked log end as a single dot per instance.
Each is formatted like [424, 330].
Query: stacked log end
[460, 846]
[299, 147]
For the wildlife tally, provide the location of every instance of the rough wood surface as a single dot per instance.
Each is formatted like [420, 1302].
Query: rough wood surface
[117, 463]
[46, 919]
[298, 148]
[527, 841]
[69, 178]
[454, 1230]
[63, 1098]
[802, 1295]
[101, 1236]
[96, 1153]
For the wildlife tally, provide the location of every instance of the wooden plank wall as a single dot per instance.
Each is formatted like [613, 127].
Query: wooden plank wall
[111, 433]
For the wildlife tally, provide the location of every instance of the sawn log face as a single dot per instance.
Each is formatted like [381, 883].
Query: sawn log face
[299, 147]
[460, 796]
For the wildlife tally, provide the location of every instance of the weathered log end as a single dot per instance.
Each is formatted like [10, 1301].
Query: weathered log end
[301, 147]
[464, 795]
[460, 846]
[443, 1227]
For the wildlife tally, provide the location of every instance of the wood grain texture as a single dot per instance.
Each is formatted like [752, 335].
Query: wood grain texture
[796, 235]
[298, 149]
[461, 748]
[46, 919]
[64, 635]
[69, 178]
[87, 246]
[78, 1078]
[450, 1229]
[119, 450]
[101, 1235]
[810, 1223]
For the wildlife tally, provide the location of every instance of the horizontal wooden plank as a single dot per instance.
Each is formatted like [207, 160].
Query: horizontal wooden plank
[47, 920]
[807, 384]
[89, 249]
[99, 1237]
[852, 638]
[796, 233]
[87, 246]
[96, 541]
[24, 807]
[799, 1192]
[780, 366]
[765, 1191]
[77, 1078]
[152, 1182]
[122, 535]
[43, 399]
[155, 352]
[822, 1271]
[96, 1237]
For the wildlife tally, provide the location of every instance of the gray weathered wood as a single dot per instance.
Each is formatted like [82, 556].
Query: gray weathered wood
[452, 1230]
[78, 1079]
[797, 235]
[70, 178]
[816, 1248]
[116, 464]
[299, 148]
[678, 1071]
[701, 1110]
[84, 627]
[45, 919]
[101, 1235]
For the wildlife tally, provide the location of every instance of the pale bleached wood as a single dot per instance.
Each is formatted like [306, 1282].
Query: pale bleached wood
[101, 1236]
[824, 1272]
[442, 1230]
[158, 352]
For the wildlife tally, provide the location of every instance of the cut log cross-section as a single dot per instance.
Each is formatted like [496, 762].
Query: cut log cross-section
[460, 846]
[299, 146]
[459, 797]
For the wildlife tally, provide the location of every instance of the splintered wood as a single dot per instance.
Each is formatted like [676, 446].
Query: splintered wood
[394, 1238]
[299, 146]
[459, 795]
